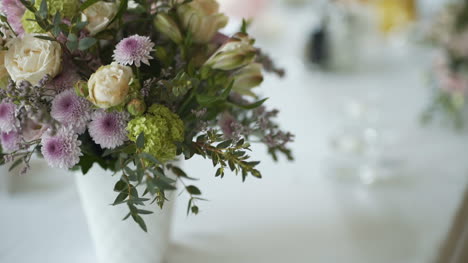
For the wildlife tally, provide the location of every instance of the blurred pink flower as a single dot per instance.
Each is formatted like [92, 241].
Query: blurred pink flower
[449, 81]
[32, 130]
[243, 8]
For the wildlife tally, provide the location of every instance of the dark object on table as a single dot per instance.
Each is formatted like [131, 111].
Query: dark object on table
[317, 50]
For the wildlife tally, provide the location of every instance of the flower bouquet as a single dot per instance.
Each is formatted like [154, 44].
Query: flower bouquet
[132, 86]
[450, 74]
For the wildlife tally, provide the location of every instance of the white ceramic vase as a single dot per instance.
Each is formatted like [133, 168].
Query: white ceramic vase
[115, 240]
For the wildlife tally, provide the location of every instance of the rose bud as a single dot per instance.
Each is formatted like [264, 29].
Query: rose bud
[81, 88]
[235, 53]
[168, 27]
[247, 78]
[109, 85]
[136, 107]
[202, 18]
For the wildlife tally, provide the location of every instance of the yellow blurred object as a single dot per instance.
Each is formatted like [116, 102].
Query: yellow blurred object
[395, 15]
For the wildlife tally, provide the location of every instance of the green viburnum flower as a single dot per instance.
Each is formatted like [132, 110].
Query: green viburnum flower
[67, 8]
[162, 128]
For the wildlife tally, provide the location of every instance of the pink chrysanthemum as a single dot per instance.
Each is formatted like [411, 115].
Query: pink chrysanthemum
[133, 50]
[7, 116]
[108, 129]
[61, 150]
[10, 141]
[14, 11]
[71, 110]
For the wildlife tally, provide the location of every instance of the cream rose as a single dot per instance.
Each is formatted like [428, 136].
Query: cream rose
[109, 85]
[99, 15]
[202, 18]
[30, 58]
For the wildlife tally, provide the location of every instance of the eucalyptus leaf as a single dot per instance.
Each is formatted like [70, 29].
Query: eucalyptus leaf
[86, 43]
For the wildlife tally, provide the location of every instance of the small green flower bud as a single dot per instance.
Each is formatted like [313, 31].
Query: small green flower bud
[136, 107]
[167, 26]
[81, 88]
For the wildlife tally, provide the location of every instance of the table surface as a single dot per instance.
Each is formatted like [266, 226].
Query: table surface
[297, 212]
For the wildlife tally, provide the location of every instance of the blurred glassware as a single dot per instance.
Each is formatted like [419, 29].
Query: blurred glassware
[363, 147]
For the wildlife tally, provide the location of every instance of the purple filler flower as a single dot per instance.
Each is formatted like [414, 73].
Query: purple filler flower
[7, 116]
[14, 11]
[61, 150]
[71, 110]
[133, 50]
[108, 129]
[10, 141]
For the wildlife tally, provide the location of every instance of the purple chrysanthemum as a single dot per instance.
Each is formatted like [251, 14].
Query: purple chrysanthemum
[7, 116]
[133, 50]
[108, 129]
[72, 110]
[10, 141]
[14, 11]
[61, 150]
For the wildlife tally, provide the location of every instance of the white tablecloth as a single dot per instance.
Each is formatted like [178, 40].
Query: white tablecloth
[296, 213]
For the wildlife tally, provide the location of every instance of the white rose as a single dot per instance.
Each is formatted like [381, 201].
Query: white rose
[109, 85]
[99, 15]
[30, 58]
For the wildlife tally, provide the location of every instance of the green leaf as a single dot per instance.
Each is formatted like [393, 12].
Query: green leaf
[72, 43]
[86, 43]
[45, 38]
[15, 164]
[57, 19]
[195, 210]
[189, 206]
[120, 198]
[193, 190]
[227, 91]
[129, 171]
[249, 106]
[224, 144]
[127, 216]
[140, 142]
[245, 26]
[87, 4]
[80, 25]
[44, 10]
[29, 5]
[144, 212]
[206, 100]
[179, 172]
[120, 186]
[150, 158]
[140, 222]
